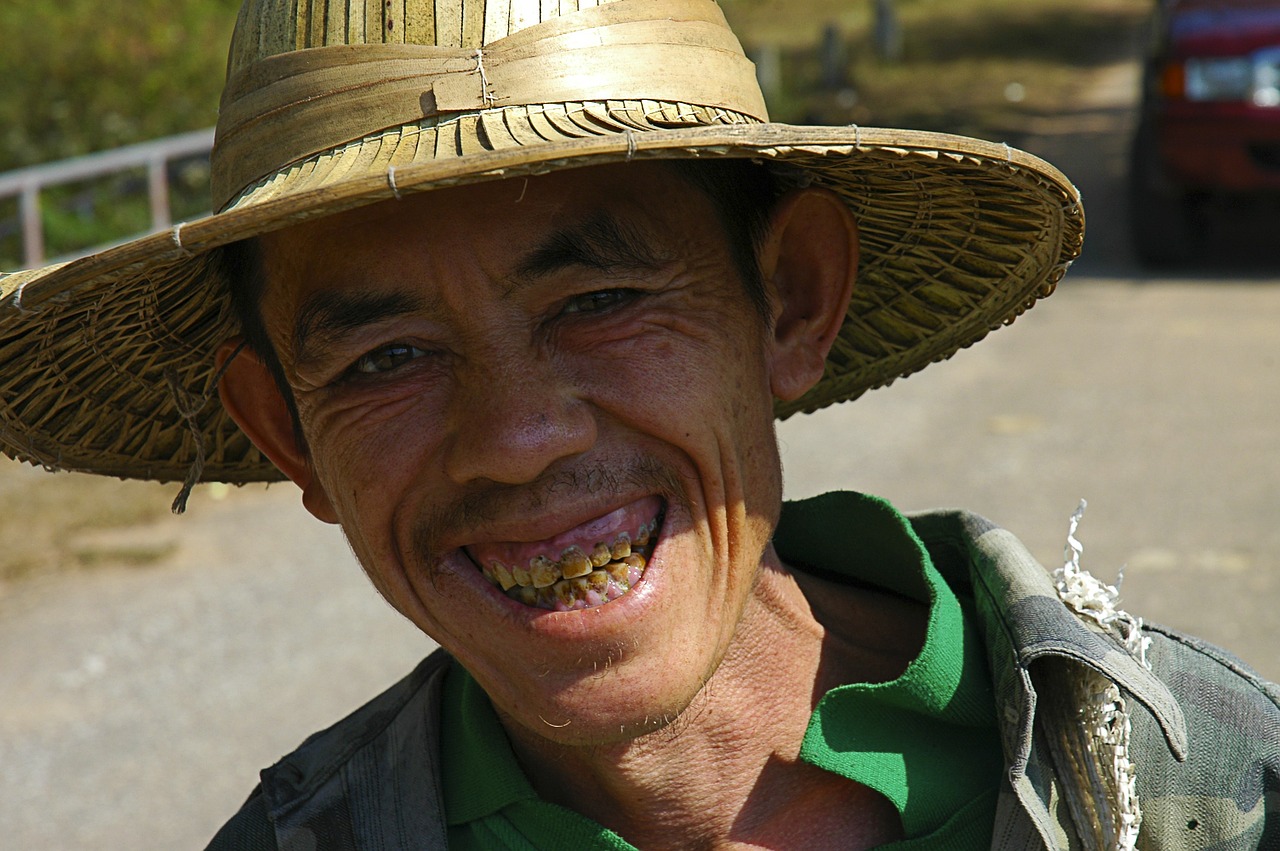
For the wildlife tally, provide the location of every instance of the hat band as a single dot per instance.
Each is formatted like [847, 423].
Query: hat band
[287, 107]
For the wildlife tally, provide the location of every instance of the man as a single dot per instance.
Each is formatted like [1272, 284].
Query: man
[514, 292]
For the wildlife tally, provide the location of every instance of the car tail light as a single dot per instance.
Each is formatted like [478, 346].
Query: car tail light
[1173, 81]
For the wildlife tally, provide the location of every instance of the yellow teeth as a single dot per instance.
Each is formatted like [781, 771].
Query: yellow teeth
[600, 555]
[574, 563]
[521, 576]
[578, 579]
[543, 571]
[627, 570]
[598, 581]
[501, 575]
[565, 592]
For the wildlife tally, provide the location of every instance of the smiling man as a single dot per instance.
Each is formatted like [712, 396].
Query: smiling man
[514, 292]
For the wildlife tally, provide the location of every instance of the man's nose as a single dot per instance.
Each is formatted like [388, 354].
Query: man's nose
[514, 420]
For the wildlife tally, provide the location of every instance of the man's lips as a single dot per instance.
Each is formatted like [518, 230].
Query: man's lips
[581, 568]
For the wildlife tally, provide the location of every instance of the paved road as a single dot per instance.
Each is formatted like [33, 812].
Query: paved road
[1154, 397]
[139, 703]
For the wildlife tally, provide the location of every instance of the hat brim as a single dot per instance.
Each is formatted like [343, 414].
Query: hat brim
[108, 360]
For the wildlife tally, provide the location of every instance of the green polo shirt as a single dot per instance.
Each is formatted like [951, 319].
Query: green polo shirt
[927, 741]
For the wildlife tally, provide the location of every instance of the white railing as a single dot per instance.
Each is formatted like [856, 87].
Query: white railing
[155, 156]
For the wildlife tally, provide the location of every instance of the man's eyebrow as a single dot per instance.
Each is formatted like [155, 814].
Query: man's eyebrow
[326, 316]
[602, 242]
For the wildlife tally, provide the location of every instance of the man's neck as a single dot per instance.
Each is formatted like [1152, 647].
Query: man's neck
[727, 772]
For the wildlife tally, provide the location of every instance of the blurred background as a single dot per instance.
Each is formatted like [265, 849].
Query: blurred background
[150, 664]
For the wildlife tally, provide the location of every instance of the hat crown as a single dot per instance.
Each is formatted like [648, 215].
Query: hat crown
[271, 27]
[308, 80]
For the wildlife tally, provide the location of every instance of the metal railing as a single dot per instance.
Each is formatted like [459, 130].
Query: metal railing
[155, 156]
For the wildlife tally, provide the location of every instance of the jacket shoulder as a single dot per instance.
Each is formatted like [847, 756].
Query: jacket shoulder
[248, 830]
[320, 794]
[1203, 735]
[1226, 793]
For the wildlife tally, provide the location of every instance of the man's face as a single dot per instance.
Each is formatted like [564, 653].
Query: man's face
[501, 385]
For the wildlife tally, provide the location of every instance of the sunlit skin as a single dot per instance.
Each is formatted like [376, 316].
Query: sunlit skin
[480, 368]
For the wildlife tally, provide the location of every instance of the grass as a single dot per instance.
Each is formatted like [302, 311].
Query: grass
[88, 75]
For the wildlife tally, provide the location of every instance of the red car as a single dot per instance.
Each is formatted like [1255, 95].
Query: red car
[1209, 127]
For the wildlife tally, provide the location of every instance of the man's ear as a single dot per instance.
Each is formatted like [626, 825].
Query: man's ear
[251, 397]
[809, 263]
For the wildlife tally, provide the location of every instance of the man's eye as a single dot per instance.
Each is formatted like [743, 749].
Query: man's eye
[387, 358]
[599, 300]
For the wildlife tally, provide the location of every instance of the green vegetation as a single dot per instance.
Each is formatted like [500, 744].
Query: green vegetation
[90, 75]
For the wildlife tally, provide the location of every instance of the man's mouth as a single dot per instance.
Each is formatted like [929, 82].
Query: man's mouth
[581, 570]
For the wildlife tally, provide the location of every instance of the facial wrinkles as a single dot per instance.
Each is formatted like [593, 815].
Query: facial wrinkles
[696, 315]
[695, 287]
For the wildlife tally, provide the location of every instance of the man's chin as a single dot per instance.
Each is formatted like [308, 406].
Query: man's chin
[613, 716]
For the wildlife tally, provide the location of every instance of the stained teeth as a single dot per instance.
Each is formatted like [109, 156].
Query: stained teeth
[600, 555]
[499, 573]
[635, 566]
[543, 571]
[564, 593]
[579, 579]
[521, 575]
[574, 563]
[598, 581]
[582, 592]
[618, 572]
[579, 592]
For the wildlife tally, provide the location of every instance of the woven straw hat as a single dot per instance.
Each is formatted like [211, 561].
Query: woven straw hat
[333, 104]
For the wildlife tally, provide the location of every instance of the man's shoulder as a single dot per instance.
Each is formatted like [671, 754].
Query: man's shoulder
[1226, 786]
[317, 789]
[324, 752]
[1231, 711]
[1037, 613]
[1204, 749]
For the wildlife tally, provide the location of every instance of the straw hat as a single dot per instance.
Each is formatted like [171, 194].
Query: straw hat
[333, 104]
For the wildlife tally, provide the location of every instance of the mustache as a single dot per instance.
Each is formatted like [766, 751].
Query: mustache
[477, 508]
